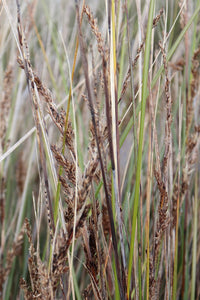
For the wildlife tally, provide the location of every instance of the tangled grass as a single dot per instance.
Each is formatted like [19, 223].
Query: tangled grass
[99, 148]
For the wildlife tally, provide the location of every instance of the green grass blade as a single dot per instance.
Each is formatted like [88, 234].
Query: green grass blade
[194, 249]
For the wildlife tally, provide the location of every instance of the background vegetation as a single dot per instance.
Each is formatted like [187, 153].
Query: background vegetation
[99, 149]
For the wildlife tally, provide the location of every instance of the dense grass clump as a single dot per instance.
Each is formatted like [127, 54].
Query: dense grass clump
[99, 148]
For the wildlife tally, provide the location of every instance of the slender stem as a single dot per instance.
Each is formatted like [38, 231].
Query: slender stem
[108, 201]
[141, 134]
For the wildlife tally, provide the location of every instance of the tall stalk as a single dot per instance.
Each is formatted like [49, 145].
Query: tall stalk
[141, 136]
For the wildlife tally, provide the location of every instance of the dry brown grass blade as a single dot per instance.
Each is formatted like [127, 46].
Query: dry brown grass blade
[193, 89]
[35, 106]
[104, 56]
[109, 118]
[90, 99]
[168, 119]
[162, 178]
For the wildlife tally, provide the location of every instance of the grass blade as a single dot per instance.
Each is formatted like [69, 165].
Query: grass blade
[141, 134]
